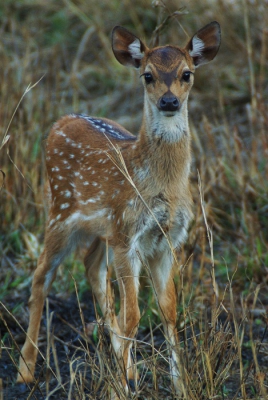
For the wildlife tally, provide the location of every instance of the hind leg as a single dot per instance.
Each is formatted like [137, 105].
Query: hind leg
[126, 323]
[54, 251]
[97, 274]
[96, 271]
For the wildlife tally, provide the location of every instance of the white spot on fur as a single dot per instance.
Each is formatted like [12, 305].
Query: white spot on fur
[51, 222]
[67, 193]
[60, 133]
[58, 217]
[93, 200]
[78, 216]
[64, 205]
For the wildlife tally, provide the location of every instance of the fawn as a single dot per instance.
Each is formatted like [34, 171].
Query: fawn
[130, 194]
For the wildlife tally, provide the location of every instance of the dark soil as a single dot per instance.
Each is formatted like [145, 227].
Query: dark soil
[65, 321]
[72, 349]
[68, 339]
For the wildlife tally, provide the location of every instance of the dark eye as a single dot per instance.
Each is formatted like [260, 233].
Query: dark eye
[186, 76]
[148, 77]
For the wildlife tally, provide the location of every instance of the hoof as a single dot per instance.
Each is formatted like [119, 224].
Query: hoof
[131, 385]
[22, 387]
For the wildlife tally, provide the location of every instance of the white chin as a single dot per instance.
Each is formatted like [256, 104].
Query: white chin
[168, 113]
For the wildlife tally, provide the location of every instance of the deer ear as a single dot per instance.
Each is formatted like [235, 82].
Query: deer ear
[205, 44]
[127, 48]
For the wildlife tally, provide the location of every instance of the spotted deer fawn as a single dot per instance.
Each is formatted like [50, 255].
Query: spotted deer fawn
[113, 190]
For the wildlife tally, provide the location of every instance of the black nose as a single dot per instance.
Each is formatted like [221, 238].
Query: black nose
[169, 103]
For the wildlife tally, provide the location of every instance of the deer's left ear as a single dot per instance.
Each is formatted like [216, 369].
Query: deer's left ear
[205, 44]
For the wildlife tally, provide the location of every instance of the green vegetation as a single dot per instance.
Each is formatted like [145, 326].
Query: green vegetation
[222, 287]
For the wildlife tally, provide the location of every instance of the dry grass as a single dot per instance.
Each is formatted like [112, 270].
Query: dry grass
[222, 276]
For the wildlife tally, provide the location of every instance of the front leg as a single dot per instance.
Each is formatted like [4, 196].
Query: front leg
[164, 289]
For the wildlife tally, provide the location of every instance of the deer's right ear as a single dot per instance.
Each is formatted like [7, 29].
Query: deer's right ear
[127, 48]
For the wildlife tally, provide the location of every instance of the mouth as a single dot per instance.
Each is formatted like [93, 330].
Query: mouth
[168, 114]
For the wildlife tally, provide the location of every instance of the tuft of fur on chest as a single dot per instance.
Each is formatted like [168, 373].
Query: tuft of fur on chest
[157, 223]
